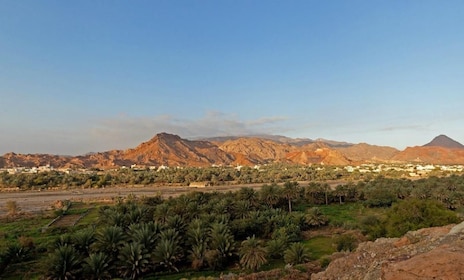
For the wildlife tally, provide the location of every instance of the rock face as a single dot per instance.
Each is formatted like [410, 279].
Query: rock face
[430, 253]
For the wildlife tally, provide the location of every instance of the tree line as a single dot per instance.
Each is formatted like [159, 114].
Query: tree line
[247, 228]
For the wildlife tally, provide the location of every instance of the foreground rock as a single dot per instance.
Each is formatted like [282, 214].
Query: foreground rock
[430, 253]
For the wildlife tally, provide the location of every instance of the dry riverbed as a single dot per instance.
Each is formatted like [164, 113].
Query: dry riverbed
[36, 201]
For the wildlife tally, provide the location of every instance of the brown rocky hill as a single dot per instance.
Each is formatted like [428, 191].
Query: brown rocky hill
[430, 253]
[431, 154]
[257, 150]
[445, 142]
[171, 150]
[364, 152]
[317, 156]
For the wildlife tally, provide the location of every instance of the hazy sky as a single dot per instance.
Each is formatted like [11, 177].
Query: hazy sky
[81, 76]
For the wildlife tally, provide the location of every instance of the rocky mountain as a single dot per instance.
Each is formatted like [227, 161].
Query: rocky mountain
[364, 152]
[257, 150]
[444, 142]
[441, 150]
[429, 253]
[434, 155]
[172, 150]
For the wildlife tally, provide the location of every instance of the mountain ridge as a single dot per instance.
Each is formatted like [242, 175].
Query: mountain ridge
[172, 150]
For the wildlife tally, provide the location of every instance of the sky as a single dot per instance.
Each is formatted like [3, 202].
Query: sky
[87, 76]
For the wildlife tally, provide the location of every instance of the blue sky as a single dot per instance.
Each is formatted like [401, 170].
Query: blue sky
[81, 76]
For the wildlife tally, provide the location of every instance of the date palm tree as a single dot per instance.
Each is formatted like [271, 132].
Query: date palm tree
[64, 263]
[315, 218]
[145, 234]
[222, 241]
[133, 260]
[110, 239]
[96, 267]
[83, 239]
[270, 195]
[168, 251]
[297, 253]
[291, 192]
[252, 253]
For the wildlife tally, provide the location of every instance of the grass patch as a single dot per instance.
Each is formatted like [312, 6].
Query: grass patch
[31, 226]
[320, 246]
[348, 215]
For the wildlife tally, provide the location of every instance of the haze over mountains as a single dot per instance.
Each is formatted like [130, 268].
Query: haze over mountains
[172, 150]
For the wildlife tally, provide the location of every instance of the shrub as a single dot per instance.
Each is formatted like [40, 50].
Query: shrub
[414, 214]
[346, 242]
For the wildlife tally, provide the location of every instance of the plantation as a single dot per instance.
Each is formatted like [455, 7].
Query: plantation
[213, 233]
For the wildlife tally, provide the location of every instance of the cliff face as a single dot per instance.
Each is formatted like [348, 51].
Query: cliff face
[430, 253]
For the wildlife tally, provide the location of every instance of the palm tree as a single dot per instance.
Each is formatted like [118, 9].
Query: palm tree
[134, 260]
[162, 212]
[278, 243]
[176, 222]
[341, 192]
[252, 253]
[64, 263]
[242, 208]
[315, 218]
[145, 234]
[248, 194]
[221, 240]
[168, 252]
[110, 239]
[197, 232]
[297, 253]
[269, 194]
[291, 192]
[198, 255]
[96, 267]
[197, 235]
[83, 239]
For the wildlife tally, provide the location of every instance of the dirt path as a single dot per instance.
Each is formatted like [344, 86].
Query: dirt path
[36, 201]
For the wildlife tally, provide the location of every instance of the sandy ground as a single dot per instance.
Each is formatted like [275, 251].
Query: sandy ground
[36, 201]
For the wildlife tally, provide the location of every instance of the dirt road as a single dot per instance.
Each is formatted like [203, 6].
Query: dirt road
[36, 201]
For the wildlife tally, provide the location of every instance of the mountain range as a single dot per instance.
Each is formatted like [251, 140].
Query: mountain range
[172, 150]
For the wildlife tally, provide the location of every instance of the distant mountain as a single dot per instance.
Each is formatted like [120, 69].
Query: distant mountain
[172, 150]
[445, 142]
[365, 152]
[276, 138]
[257, 150]
[441, 150]
[333, 143]
[431, 154]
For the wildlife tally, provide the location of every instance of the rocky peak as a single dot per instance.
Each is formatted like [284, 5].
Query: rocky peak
[445, 142]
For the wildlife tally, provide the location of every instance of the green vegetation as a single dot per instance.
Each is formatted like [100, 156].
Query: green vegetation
[320, 246]
[202, 233]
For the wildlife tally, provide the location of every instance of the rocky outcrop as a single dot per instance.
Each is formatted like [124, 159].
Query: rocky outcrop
[430, 253]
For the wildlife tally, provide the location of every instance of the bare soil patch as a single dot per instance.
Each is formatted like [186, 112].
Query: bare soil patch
[66, 221]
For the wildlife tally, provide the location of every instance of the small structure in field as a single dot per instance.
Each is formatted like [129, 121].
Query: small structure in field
[199, 184]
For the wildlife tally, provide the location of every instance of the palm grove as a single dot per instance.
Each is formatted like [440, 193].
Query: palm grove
[218, 231]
